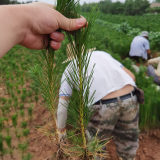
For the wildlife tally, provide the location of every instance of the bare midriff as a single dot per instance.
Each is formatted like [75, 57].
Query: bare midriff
[125, 90]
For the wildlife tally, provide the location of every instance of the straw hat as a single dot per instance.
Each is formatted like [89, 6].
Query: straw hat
[71, 50]
[157, 71]
[155, 61]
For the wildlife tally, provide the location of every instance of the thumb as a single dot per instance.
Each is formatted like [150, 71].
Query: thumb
[71, 24]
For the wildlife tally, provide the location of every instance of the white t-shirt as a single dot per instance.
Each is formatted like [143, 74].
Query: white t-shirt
[108, 76]
[139, 47]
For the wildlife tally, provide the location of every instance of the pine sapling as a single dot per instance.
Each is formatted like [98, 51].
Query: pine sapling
[24, 124]
[22, 113]
[8, 140]
[27, 157]
[18, 135]
[26, 132]
[14, 120]
[23, 147]
[1, 146]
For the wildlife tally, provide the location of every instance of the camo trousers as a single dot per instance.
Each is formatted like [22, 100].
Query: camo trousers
[119, 120]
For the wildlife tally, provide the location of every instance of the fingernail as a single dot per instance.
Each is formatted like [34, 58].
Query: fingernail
[55, 34]
[81, 21]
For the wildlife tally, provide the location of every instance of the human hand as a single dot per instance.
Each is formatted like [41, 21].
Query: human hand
[43, 21]
[61, 134]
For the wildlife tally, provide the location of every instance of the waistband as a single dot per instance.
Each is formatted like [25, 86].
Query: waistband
[113, 100]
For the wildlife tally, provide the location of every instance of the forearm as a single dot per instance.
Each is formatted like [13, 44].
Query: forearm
[62, 113]
[13, 25]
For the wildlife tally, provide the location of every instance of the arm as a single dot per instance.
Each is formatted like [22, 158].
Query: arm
[129, 72]
[62, 117]
[32, 24]
[149, 53]
[64, 94]
[62, 112]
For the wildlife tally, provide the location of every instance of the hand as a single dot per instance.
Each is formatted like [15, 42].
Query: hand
[32, 24]
[61, 134]
[43, 21]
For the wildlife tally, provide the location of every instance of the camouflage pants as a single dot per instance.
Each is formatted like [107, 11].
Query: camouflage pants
[119, 120]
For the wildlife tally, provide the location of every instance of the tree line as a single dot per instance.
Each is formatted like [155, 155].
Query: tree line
[129, 7]
[3, 2]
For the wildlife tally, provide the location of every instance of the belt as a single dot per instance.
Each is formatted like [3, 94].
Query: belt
[113, 100]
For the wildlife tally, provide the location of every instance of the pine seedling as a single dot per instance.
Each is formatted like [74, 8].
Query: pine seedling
[21, 113]
[24, 90]
[8, 140]
[14, 120]
[10, 101]
[4, 100]
[76, 75]
[30, 112]
[15, 105]
[46, 75]
[23, 97]
[24, 124]
[18, 135]
[1, 123]
[23, 147]
[12, 94]
[36, 98]
[19, 91]
[30, 93]
[26, 132]
[7, 107]
[1, 146]
[7, 130]
[21, 106]
[3, 111]
[27, 157]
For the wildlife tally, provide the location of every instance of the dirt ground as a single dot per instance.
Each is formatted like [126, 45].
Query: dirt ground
[42, 148]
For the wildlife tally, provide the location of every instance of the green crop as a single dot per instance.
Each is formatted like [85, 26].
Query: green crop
[23, 147]
[8, 140]
[26, 132]
[14, 120]
[24, 124]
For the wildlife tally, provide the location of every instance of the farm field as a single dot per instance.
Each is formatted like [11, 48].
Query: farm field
[24, 118]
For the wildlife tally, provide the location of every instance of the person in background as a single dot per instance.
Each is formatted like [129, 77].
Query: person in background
[31, 25]
[115, 105]
[155, 73]
[140, 48]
